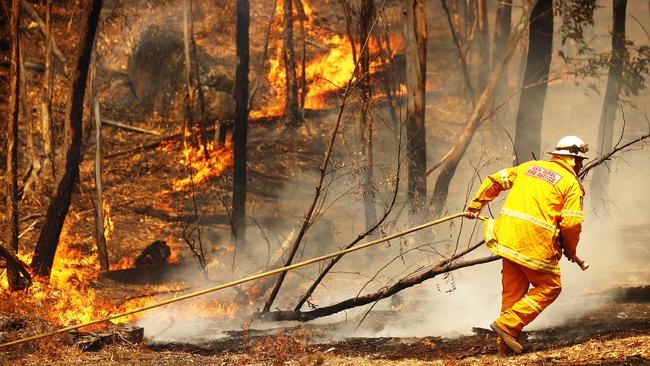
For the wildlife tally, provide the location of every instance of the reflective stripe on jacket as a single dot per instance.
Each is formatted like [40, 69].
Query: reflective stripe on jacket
[545, 200]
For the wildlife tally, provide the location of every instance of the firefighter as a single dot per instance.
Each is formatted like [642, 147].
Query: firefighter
[541, 218]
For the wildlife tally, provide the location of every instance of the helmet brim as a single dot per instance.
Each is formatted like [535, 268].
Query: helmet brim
[568, 153]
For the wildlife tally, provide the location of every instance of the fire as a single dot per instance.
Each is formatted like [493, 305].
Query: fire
[325, 73]
[220, 159]
[108, 222]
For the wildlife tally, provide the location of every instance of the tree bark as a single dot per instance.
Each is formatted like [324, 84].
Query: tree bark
[291, 108]
[11, 174]
[483, 45]
[531, 104]
[188, 98]
[366, 123]
[100, 234]
[46, 103]
[48, 239]
[600, 180]
[415, 35]
[302, 18]
[241, 123]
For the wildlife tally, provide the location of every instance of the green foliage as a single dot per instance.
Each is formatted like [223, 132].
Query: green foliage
[576, 15]
[634, 61]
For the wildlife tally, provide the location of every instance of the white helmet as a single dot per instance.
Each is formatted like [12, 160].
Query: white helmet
[571, 146]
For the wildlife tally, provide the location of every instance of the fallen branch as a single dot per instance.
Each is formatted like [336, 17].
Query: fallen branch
[404, 283]
[124, 126]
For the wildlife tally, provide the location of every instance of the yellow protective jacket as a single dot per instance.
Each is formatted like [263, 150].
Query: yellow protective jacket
[545, 201]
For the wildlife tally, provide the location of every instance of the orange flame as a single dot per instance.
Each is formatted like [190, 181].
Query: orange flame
[325, 73]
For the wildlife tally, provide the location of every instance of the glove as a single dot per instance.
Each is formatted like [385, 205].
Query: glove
[472, 213]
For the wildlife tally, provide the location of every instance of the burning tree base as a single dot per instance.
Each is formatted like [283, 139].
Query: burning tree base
[114, 334]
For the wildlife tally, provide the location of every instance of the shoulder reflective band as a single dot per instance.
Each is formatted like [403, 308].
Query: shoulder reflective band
[526, 217]
[505, 183]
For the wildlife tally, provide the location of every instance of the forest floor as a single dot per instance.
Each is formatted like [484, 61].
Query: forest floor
[151, 199]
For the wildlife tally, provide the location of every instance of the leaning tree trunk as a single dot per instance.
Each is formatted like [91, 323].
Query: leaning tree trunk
[483, 45]
[291, 108]
[11, 175]
[451, 160]
[610, 104]
[48, 239]
[415, 35]
[241, 121]
[365, 25]
[531, 104]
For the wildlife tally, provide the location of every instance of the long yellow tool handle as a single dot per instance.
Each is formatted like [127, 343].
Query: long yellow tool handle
[235, 283]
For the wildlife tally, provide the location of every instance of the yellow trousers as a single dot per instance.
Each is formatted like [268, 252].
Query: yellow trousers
[521, 305]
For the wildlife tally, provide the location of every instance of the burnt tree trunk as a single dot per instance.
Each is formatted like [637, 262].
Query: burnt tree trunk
[100, 234]
[302, 17]
[365, 25]
[11, 175]
[48, 238]
[531, 104]
[241, 123]
[46, 103]
[291, 107]
[483, 45]
[415, 35]
[600, 180]
[188, 96]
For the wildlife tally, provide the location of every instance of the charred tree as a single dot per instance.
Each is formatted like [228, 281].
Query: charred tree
[600, 180]
[46, 102]
[11, 174]
[302, 18]
[538, 63]
[100, 234]
[483, 45]
[291, 107]
[415, 35]
[240, 132]
[48, 239]
[365, 25]
[192, 81]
